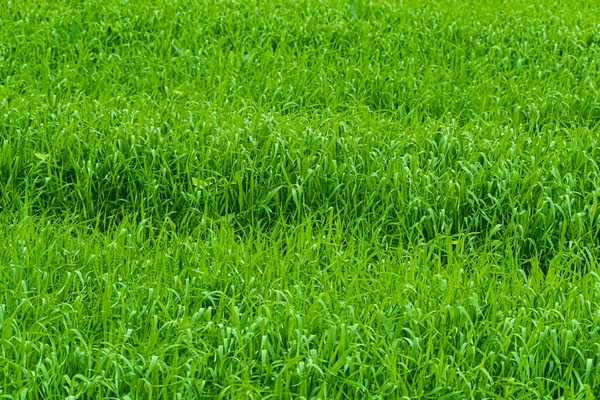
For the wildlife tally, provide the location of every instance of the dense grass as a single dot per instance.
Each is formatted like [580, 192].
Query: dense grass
[325, 199]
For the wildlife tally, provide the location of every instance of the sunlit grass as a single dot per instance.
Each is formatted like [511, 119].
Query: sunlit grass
[317, 199]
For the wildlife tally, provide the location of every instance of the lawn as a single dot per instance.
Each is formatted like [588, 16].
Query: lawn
[307, 199]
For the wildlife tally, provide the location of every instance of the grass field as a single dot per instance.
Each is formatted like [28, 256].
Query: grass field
[299, 199]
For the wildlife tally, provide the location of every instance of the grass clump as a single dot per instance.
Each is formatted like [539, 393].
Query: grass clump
[314, 199]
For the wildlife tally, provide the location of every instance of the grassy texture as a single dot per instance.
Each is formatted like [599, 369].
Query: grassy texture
[317, 199]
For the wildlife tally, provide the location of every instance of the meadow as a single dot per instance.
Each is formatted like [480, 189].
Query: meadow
[299, 199]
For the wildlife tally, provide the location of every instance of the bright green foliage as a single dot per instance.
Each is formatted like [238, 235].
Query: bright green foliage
[316, 199]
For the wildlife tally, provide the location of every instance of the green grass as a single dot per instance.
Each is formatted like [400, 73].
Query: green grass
[299, 199]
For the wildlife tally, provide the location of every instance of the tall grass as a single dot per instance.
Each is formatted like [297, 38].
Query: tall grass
[309, 199]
